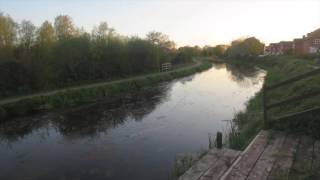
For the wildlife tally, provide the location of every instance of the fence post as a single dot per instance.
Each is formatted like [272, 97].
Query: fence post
[265, 115]
[219, 140]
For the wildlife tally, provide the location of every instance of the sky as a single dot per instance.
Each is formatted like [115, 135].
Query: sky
[187, 22]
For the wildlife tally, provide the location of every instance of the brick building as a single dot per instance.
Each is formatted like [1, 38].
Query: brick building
[281, 48]
[307, 45]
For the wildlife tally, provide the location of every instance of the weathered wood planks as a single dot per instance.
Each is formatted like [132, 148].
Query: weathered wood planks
[264, 164]
[316, 161]
[248, 159]
[213, 164]
[285, 156]
[221, 165]
[270, 156]
[302, 164]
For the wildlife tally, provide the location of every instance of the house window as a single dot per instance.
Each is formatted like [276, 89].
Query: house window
[316, 41]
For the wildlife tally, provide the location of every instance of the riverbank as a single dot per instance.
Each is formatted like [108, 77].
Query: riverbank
[249, 122]
[89, 93]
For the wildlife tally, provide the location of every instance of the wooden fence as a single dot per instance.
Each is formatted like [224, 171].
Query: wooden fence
[165, 67]
[267, 107]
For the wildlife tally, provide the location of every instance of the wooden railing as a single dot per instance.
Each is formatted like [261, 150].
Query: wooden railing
[267, 107]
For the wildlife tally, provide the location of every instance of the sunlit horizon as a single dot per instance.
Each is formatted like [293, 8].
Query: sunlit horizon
[187, 22]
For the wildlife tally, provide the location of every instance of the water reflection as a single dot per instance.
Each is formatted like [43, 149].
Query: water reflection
[19, 128]
[90, 120]
[134, 135]
[245, 75]
[96, 118]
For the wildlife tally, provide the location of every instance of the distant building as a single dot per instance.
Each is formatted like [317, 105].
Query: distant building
[309, 44]
[281, 48]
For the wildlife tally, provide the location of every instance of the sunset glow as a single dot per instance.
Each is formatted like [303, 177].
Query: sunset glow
[185, 21]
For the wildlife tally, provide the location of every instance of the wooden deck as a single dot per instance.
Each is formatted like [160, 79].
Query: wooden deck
[270, 156]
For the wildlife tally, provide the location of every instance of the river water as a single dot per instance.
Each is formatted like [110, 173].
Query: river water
[136, 135]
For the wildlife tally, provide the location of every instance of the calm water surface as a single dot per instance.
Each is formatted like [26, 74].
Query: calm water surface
[134, 136]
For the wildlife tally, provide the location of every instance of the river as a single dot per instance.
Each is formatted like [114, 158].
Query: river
[135, 135]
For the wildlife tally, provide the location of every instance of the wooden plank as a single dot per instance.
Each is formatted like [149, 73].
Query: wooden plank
[284, 160]
[293, 79]
[316, 161]
[293, 99]
[295, 114]
[197, 170]
[222, 165]
[263, 167]
[302, 163]
[246, 161]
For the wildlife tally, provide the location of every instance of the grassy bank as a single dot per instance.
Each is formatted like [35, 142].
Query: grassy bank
[74, 96]
[248, 122]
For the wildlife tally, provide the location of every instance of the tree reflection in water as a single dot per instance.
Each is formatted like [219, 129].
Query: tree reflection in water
[245, 75]
[16, 129]
[89, 120]
[133, 135]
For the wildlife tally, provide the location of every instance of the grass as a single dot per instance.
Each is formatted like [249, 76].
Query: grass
[249, 122]
[75, 96]
[186, 161]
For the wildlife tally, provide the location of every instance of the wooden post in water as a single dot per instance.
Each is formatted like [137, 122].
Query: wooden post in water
[219, 140]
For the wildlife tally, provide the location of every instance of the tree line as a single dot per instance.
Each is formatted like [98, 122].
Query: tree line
[58, 54]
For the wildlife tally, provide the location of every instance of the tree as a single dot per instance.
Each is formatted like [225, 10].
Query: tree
[56, 55]
[249, 47]
[165, 47]
[220, 50]
[142, 56]
[207, 51]
[27, 34]
[45, 35]
[160, 39]
[72, 60]
[101, 32]
[186, 53]
[64, 27]
[8, 31]
[254, 46]
[8, 35]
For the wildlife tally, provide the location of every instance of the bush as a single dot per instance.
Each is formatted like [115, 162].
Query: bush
[3, 113]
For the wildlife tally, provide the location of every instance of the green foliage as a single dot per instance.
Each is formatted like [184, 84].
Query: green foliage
[72, 60]
[27, 34]
[182, 164]
[186, 161]
[8, 35]
[160, 39]
[246, 124]
[250, 47]
[22, 76]
[46, 35]
[287, 67]
[3, 113]
[186, 53]
[218, 51]
[70, 97]
[250, 121]
[141, 52]
[34, 59]
[64, 27]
